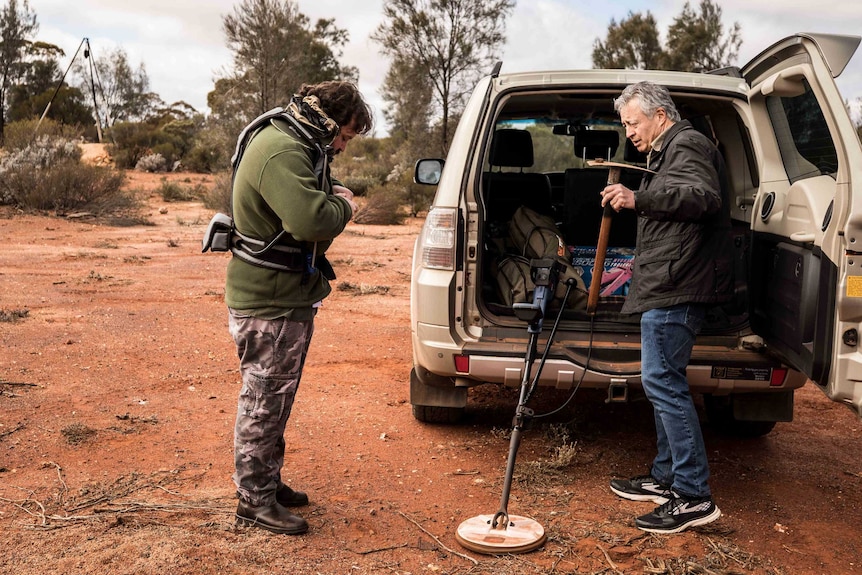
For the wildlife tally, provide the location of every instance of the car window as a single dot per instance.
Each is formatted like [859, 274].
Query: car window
[806, 146]
[553, 153]
[553, 146]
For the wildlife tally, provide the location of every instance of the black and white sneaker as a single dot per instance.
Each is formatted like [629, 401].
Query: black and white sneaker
[679, 513]
[641, 488]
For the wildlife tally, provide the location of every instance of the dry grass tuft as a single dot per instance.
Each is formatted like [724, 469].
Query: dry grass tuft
[13, 315]
[362, 289]
[77, 433]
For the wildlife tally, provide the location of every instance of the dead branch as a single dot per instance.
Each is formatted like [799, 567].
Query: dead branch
[11, 431]
[59, 473]
[378, 549]
[434, 537]
[659, 569]
[610, 561]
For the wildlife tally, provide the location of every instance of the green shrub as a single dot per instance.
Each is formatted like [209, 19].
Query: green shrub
[23, 133]
[218, 197]
[174, 192]
[359, 184]
[417, 197]
[364, 165]
[170, 152]
[203, 159]
[210, 153]
[132, 141]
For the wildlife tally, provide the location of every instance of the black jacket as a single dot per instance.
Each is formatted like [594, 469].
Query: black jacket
[684, 249]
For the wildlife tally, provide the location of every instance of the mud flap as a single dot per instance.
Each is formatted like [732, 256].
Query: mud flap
[445, 395]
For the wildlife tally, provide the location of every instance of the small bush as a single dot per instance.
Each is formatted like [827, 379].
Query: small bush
[417, 197]
[13, 315]
[77, 433]
[152, 163]
[205, 158]
[133, 141]
[48, 175]
[383, 207]
[359, 184]
[218, 198]
[174, 192]
[363, 166]
[43, 152]
[23, 133]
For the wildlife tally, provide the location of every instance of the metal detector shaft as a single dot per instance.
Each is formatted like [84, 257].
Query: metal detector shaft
[501, 518]
[504, 533]
[524, 413]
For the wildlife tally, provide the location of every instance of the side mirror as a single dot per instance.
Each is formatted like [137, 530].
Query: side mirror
[428, 171]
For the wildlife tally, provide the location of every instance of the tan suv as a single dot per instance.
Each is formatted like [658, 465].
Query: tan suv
[794, 166]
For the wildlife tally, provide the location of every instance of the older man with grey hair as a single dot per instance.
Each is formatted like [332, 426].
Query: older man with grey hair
[682, 267]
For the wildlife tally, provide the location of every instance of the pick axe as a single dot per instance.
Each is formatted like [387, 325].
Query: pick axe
[614, 170]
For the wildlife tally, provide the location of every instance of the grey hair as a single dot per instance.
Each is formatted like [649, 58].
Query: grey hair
[651, 97]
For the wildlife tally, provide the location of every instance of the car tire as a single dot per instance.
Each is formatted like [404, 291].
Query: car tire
[434, 414]
[719, 412]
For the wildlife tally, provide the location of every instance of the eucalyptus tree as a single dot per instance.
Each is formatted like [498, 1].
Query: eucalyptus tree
[451, 42]
[17, 26]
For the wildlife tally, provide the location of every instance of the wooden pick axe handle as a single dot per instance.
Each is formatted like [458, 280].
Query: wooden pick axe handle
[602, 246]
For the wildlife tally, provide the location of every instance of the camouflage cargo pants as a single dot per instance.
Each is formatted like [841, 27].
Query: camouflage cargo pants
[272, 354]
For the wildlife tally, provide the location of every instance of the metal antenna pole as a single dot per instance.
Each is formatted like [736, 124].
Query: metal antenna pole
[59, 85]
[87, 53]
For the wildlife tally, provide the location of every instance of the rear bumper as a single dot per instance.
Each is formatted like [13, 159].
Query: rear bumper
[710, 371]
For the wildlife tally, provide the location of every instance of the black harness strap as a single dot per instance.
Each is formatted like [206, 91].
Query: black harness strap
[273, 253]
[268, 254]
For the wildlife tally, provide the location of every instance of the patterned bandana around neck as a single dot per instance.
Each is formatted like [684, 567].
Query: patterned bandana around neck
[307, 110]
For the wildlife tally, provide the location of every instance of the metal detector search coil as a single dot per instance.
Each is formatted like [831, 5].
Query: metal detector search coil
[521, 535]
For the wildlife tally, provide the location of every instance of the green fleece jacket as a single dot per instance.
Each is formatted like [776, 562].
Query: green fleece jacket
[276, 188]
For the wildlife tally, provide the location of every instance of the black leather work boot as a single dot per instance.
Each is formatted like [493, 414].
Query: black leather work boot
[275, 518]
[290, 498]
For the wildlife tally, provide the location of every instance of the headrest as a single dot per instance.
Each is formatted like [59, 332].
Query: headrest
[592, 144]
[512, 148]
[703, 124]
[631, 155]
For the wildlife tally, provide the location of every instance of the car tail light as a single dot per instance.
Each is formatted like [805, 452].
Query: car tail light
[437, 247]
[779, 374]
[462, 363]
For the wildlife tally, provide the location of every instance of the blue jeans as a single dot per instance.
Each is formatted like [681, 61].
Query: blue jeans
[667, 338]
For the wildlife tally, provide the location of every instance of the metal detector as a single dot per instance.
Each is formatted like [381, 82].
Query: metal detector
[503, 533]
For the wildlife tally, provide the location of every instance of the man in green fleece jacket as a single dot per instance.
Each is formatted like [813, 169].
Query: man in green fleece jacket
[283, 194]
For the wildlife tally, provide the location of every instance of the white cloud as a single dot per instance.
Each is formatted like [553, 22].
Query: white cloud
[549, 35]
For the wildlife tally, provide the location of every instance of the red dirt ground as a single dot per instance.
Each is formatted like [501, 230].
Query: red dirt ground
[118, 393]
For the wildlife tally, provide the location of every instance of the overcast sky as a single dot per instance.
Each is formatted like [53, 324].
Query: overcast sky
[182, 45]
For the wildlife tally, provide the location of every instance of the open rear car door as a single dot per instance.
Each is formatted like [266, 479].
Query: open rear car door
[806, 243]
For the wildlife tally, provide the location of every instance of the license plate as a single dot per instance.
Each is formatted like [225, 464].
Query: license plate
[742, 373]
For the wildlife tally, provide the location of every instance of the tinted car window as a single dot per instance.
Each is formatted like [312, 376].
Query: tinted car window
[803, 136]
